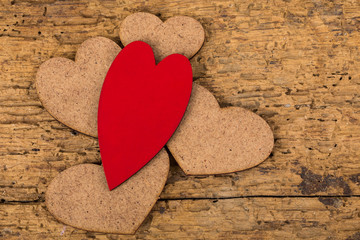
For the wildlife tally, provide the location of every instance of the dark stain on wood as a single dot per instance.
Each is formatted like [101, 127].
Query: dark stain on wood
[331, 201]
[355, 236]
[313, 183]
[355, 178]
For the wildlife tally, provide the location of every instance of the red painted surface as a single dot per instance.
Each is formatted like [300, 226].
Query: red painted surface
[141, 105]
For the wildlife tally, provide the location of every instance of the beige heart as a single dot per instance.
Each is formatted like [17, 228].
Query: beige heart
[70, 90]
[211, 140]
[80, 197]
[179, 34]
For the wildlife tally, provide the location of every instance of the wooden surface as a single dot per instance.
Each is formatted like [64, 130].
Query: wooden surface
[296, 63]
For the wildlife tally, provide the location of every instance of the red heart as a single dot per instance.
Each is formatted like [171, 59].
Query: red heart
[141, 105]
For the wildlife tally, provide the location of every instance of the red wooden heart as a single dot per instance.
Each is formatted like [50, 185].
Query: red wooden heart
[141, 105]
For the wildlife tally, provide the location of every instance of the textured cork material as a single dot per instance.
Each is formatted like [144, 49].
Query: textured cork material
[70, 90]
[179, 34]
[211, 140]
[80, 197]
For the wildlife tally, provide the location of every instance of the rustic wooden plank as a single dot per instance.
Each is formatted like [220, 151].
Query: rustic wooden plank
[295, 63]
[241, 218]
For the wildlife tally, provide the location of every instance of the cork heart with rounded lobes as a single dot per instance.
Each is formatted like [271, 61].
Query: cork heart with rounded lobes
[214, 140]
[70, 91]
[179, 34]
[80, 197]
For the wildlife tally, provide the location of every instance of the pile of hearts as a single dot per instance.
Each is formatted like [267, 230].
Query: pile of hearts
[136, 100]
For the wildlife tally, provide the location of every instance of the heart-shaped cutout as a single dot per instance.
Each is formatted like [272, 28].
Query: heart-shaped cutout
[211, 140]
[179, 34]
[70, 90]
[141, 104]
[79, 197]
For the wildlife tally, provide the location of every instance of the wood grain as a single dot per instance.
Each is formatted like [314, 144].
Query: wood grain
[295, 63]
[240, 218]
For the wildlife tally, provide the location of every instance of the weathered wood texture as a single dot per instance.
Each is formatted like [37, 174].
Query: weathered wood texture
[239, 218]
[296, 63]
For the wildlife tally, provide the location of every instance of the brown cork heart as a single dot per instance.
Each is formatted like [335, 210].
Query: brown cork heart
[80, 197]
[70, 90]
[179, 34]
[211, 140]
